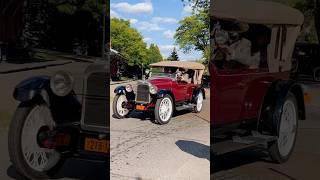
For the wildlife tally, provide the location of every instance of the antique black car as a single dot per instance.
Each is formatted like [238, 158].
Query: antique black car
[306, 61]
[53, 122]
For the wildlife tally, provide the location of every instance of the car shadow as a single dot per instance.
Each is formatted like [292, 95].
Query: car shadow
[75, 169]
[238, 158]
[144, 116]
[194, 148]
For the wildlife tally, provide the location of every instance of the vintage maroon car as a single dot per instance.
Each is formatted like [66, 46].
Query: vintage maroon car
[174, 85]
[253, 100]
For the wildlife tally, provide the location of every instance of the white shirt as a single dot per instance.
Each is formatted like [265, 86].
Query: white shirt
[241, 51]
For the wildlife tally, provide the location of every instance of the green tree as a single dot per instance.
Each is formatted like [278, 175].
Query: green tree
[128, 42]
[153, 54]
[174, 55]
[193, 33]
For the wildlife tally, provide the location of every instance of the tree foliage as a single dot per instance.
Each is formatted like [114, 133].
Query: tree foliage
[64, 25]
[129, 42]
[153, 54]
[193, 33]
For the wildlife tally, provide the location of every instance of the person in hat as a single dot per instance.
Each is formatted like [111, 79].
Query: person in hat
[239, 48]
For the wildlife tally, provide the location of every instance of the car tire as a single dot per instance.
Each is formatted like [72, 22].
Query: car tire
[281, 149]
[16, 145]
[199, 103]
[118, 111]
[316, 74]
[164, 109]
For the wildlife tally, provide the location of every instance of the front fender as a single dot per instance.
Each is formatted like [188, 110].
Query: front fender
[164, 92]
[29, 88]
[120, 90]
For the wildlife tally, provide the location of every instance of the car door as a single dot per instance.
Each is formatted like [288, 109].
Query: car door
[180, 90]
[227, 93]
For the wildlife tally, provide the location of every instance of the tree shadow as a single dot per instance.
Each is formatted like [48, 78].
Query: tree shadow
[194, 148]
[238, 158]
[74, 168]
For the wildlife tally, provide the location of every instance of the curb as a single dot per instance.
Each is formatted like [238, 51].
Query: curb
[14, 70]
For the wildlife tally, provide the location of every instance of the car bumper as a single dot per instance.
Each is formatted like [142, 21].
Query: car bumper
[138, 106]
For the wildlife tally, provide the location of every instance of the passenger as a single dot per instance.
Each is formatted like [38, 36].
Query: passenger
[240, 51]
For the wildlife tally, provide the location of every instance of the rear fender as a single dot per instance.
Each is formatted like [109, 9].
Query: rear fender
[196, 92]
[271, 111]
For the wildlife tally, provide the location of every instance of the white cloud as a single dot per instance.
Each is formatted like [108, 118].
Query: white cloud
[167, 47]
[169, 34]
[144, 7]
[167, 20]
[147, 39]
[133, 21]
[114, 14]
[148, 26]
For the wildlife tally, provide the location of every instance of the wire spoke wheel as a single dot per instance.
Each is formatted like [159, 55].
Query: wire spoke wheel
[38, 158]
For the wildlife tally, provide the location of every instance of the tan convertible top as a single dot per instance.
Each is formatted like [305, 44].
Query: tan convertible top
[179, 64]
[256, 12]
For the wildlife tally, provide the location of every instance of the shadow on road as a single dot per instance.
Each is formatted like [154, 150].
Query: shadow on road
[238, 158]
[194, 148]
[74, 168]
[143, 116]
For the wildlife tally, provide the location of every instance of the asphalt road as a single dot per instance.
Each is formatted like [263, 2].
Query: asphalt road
[73, 168]
[141, 149]
[252, 164]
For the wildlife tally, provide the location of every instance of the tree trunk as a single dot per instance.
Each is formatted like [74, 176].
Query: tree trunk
[317, 17]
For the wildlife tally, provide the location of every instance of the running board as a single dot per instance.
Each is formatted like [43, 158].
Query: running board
[185, 106]
[238, 143]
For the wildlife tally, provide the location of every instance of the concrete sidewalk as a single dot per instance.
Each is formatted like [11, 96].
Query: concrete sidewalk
[6, 68]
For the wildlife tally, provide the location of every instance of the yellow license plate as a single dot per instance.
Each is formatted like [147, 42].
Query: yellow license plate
[139, 107]
[96, 145]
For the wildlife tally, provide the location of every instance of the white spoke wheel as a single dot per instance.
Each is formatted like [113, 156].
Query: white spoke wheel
[28, 157]
[119, 109]
[164, 109]
[199, 102]
[282, 148]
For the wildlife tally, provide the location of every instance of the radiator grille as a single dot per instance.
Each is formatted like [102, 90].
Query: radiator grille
[96, 111]
[143, 93]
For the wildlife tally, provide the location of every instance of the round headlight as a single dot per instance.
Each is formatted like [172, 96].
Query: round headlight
[61, 83]
[129, 88]
[153, 89]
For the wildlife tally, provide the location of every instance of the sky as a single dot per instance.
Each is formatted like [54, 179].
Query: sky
[157, 21]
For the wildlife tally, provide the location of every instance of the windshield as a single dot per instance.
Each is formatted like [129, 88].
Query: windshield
[164, 71]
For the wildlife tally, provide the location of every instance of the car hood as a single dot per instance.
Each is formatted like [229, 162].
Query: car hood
[161, 82]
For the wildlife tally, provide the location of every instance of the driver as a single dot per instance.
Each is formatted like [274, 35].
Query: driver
[235, 47]
[182, 75]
